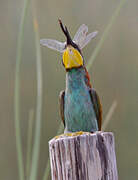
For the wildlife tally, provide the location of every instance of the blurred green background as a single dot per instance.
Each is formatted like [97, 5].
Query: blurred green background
[113, 74]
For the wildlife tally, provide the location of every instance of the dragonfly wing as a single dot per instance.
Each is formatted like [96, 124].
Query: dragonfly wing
[88, 39]
[53, 44]
[80, 34]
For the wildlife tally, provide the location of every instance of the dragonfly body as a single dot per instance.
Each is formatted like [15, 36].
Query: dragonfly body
[80, 107]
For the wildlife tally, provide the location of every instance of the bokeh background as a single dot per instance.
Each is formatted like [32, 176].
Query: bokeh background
[114, 75]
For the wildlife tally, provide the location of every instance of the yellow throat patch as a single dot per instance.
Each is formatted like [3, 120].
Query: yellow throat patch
[72, 58]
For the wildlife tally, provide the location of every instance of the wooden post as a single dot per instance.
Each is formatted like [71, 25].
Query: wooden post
[83, 157]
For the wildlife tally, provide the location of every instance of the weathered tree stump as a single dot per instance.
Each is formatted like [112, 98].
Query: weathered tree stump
[83, 157]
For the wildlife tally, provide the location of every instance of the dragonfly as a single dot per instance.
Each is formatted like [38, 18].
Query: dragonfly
[81, 38]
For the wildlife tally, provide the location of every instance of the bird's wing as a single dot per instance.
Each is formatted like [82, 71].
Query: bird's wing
[53, 44]
[97, 106]
[61, 103]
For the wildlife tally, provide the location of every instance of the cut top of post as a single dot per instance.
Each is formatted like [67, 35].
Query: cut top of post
[90, 156]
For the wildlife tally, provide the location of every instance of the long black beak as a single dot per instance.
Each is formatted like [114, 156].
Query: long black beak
[69, 40]
[65, 31]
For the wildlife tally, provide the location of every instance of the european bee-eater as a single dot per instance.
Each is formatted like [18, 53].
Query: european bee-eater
[80, 107]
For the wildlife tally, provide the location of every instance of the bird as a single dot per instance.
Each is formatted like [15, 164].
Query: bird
[80, 106]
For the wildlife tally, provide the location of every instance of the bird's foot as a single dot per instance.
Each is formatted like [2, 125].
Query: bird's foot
[70, 134]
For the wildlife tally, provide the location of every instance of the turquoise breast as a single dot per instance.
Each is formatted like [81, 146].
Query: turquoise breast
[78, 110]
